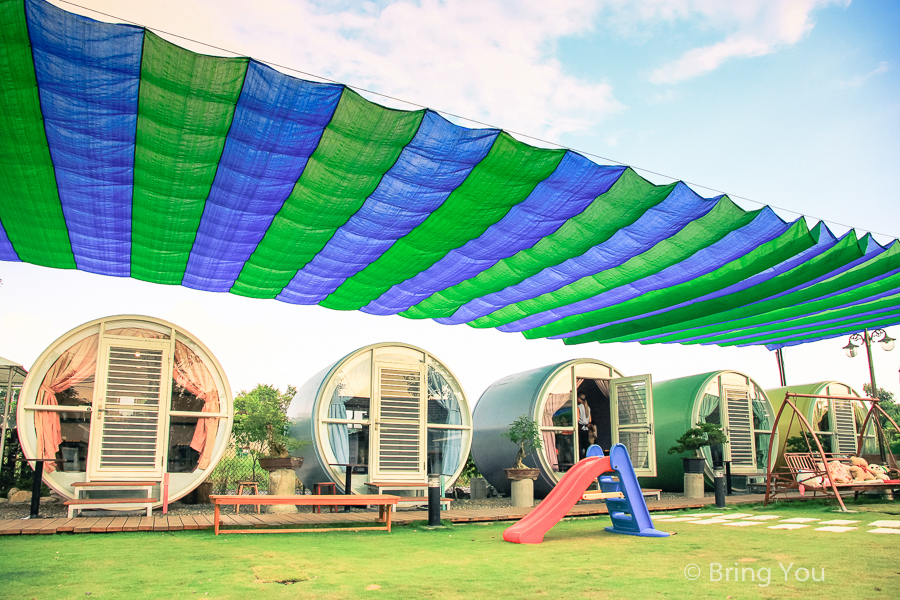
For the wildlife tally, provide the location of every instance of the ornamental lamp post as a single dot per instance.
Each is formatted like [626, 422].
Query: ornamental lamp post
[887, 344]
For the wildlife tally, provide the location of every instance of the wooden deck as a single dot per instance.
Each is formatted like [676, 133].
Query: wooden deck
[179, 523]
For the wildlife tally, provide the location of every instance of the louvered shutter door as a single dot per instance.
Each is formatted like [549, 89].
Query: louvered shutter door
[844, 427]
[399, 438]
[128, 428]
[739, 427]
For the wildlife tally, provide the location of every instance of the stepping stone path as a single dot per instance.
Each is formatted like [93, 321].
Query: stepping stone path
[884, 530]
[884, 524]
[838, 522]
[712, 521]
[749, 519]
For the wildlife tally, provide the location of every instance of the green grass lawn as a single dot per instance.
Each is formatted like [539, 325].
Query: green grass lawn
[577, 560]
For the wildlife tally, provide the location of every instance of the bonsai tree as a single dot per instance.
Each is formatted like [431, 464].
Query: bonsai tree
[526, 433]
[260, 419]
[705, 434]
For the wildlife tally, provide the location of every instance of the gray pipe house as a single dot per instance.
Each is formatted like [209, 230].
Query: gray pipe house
[391, 408]
[620, 407]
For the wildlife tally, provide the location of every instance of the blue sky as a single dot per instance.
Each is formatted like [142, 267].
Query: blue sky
[792, 103]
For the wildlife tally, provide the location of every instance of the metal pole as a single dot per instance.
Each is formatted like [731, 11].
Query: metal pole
[720, 487]
[873, 391]
[434, 500]
[6, 414]
[779, 357]
[36, 489]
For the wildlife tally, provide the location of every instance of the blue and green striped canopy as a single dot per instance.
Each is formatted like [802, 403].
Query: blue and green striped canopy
[125, 155]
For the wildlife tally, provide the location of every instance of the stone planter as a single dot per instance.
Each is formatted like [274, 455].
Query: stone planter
[522, 486]
[693, 477]
[520, 474]
[282, 481]
[271, 464]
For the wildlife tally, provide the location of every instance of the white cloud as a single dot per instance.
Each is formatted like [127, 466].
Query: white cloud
[757, 27]
[493, 61]
[858, 80]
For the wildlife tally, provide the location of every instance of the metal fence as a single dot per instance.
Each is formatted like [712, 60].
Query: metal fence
[237, 465]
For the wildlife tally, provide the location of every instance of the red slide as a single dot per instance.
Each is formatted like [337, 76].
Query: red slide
[533, 526]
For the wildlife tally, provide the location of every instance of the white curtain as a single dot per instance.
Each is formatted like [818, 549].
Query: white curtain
[439, 391]
[354, 384]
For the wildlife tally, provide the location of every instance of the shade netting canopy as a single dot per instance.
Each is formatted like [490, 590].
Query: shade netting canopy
[125, 155]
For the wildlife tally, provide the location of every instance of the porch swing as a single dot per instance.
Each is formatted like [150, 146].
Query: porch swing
[815, 469]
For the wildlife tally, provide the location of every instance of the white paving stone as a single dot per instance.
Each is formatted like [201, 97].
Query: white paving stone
[838, 522]
[835, 529]
[698, 515]
[799, 520]
[713, 521]
[762, 518]
[884, 524]
[884, 530]
[788, 526]
[736, 515]
[662, 517]
[685, 519]
[742, 523]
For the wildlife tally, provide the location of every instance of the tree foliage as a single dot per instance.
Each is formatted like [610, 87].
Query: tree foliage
[889, 406]
[260, 417]
[524, 432]
[705, 434]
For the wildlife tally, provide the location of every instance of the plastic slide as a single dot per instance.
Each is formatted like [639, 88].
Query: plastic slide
[629, 515]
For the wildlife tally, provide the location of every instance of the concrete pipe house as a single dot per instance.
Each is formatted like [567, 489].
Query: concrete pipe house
[126, 398]
[393, 409]
[621, 408]
[836, 422]
[729, 398]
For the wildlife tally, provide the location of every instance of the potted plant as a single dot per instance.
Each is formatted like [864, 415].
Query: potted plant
[692, 440]
[525, 433]
[261, 427]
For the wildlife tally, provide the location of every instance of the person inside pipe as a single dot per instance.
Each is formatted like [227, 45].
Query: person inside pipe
[584, 422]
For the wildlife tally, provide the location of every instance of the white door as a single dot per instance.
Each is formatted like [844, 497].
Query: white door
[739, 429]
[130, 409]
[844, 427]
[631, 404]
[399, 441]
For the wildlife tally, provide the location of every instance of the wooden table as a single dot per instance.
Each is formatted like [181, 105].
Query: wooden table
[383, 501]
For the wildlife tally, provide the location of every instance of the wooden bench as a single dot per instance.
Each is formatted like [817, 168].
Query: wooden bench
[403, 486]
[384, 503]
[422, 500]
[802, 468]
[144, 503]
[397, 486]
[649, 492]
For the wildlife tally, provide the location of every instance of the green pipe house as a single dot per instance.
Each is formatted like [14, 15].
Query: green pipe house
[836, 422]
[729, 398]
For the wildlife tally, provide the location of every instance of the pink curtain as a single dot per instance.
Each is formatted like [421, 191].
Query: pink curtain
[138, 333]
[554, 403]
[77, 364]
[190, 373]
